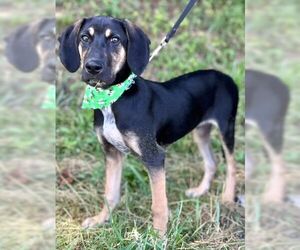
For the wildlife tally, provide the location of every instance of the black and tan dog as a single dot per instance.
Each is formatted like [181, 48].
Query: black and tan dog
[32, 46]
[150, 115]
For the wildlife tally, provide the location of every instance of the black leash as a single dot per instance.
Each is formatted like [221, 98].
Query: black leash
[172, 32]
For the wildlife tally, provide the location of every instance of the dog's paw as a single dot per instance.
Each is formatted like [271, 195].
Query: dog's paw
[272, 197]
[160, 228]
[196, 192]
[275, 191]
[92, 222]
[228, 198]
[89, 223]
[162, 233]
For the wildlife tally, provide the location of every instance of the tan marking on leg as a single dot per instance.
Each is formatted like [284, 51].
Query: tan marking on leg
[113, 174]
[230, 183]
[132, 141]
[275, 188]
[159, 200]
[202, 138]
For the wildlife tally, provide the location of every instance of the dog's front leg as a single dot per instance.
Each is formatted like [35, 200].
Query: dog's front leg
[113, 165]
[159, 199]
[153, 157]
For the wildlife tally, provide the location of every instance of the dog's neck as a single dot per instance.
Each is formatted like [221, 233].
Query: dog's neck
[123, 74]
[96, 98]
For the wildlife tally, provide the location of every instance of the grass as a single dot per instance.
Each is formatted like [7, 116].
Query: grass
[193, 223]
[210, 37]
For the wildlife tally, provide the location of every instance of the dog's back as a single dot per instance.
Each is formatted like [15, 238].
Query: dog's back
[191, 99]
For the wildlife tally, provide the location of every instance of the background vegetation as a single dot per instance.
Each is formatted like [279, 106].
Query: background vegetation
[212, 36]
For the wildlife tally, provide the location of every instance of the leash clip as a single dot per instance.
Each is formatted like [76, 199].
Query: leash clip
[172, 32]
[162, 44]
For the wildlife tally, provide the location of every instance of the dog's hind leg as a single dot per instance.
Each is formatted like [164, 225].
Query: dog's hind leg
[227, 136]
[273, 140]
[201, 136]
[113, 165]
[275, 188]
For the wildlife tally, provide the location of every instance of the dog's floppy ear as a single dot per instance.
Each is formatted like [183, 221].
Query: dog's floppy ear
[137, 48]
[68, 46]
[21, 48]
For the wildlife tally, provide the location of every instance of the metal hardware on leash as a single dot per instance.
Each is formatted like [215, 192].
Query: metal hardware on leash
[162, 44]
[172, 32]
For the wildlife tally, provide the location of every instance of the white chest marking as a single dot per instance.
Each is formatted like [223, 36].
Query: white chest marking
[111, 132]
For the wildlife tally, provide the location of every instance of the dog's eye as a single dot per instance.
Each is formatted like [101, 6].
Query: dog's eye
[85, 38]
[115, 39]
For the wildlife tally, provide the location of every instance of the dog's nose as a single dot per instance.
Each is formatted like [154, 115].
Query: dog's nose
[94, 67]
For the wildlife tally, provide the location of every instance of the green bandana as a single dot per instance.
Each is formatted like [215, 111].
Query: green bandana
[95, 98]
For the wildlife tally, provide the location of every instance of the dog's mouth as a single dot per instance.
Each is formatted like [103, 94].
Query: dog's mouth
[97, 83]
[102, 81]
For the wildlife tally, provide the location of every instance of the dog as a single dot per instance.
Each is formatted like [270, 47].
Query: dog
[33, 45]
[267, 100]
[150, 115]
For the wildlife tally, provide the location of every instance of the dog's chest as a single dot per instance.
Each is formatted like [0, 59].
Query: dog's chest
[111, 132]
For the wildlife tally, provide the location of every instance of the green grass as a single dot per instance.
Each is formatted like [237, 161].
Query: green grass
[212, 36]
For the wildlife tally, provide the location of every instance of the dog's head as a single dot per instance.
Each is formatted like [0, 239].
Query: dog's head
[106, 48]
[33, 45]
